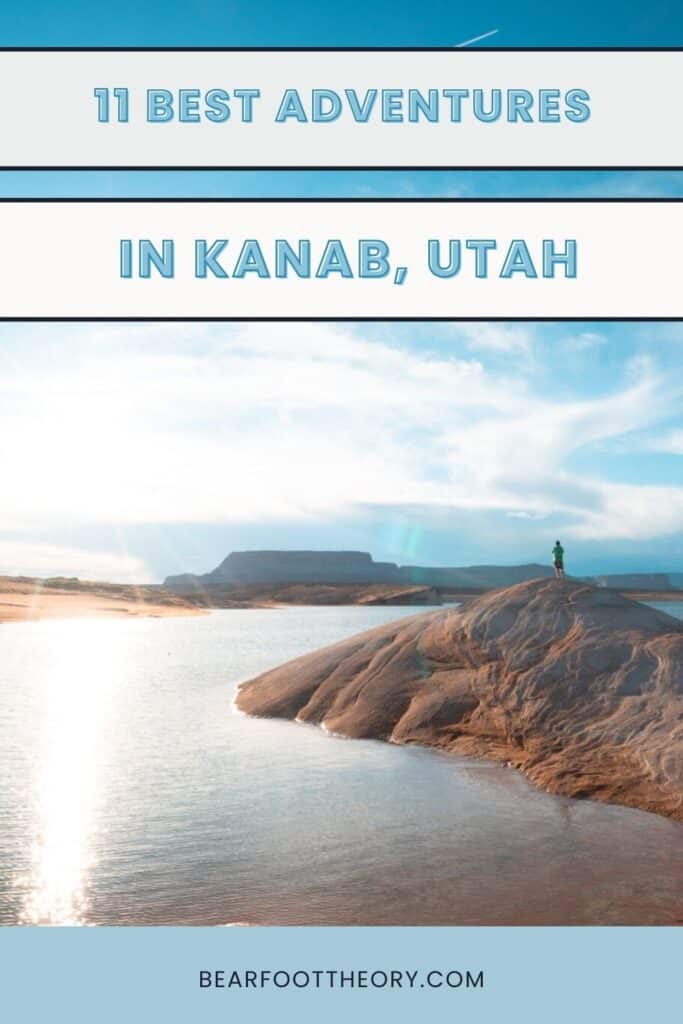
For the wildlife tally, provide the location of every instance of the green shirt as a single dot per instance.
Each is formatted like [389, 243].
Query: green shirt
[558, 552]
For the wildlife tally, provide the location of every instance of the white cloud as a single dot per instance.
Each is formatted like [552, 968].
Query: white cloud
[496, 337]
[585, 341]
[631, 512]
[26, 558]
[669, 444]
[252, 422]
[512, 461]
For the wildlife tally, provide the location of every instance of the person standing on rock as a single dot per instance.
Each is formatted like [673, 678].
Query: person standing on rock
[558, 560]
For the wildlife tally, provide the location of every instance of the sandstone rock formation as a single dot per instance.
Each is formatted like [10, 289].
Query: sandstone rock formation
[579, 687]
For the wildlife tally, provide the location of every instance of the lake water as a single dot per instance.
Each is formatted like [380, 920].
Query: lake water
[132, 793]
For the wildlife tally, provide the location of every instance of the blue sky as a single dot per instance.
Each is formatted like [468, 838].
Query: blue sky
[133, 452]
[353, 23]
[224, 184]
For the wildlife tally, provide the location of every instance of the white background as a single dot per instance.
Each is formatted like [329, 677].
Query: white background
[62, 259]
[48, 113]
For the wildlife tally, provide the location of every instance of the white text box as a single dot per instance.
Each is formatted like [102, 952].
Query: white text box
[64, 259]
[49, 113]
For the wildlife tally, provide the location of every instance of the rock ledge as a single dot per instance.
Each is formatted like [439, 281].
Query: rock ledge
[579, 687]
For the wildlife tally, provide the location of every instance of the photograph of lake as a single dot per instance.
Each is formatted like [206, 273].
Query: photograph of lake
[137, 795]
[341, 623]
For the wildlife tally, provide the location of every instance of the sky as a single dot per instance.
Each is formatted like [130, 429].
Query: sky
[133, 451]
[353, 23]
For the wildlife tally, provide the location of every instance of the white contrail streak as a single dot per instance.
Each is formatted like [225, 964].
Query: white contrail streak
[477, 39]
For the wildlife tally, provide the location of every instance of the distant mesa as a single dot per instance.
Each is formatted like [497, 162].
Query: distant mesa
[358, 567]
[577, 686]
[341, 567]
[295, 567]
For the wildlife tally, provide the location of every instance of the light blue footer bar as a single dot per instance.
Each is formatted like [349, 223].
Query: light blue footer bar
[553, 975]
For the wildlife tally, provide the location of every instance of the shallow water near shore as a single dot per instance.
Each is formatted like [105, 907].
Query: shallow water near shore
[131, 792]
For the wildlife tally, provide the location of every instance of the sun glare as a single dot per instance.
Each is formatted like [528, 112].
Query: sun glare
[77, 690]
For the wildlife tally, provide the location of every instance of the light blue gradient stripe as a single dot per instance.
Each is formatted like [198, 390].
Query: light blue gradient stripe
[532, 975]
[324, 184]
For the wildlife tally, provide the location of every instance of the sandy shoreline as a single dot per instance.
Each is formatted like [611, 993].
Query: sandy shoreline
[24, 599]
[27, 599]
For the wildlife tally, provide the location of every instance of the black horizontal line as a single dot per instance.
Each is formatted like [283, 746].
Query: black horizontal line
[365, 200]
[341, 319]
[341, 49]
[156, 168]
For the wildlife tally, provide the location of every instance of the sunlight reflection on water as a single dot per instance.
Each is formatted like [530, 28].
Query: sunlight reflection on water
[75, 708]
[130, 794]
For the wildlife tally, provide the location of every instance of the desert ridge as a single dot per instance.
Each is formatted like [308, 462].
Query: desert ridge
[272, 579]
[25, 599]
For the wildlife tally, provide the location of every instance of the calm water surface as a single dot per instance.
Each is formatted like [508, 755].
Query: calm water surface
[132, 793]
